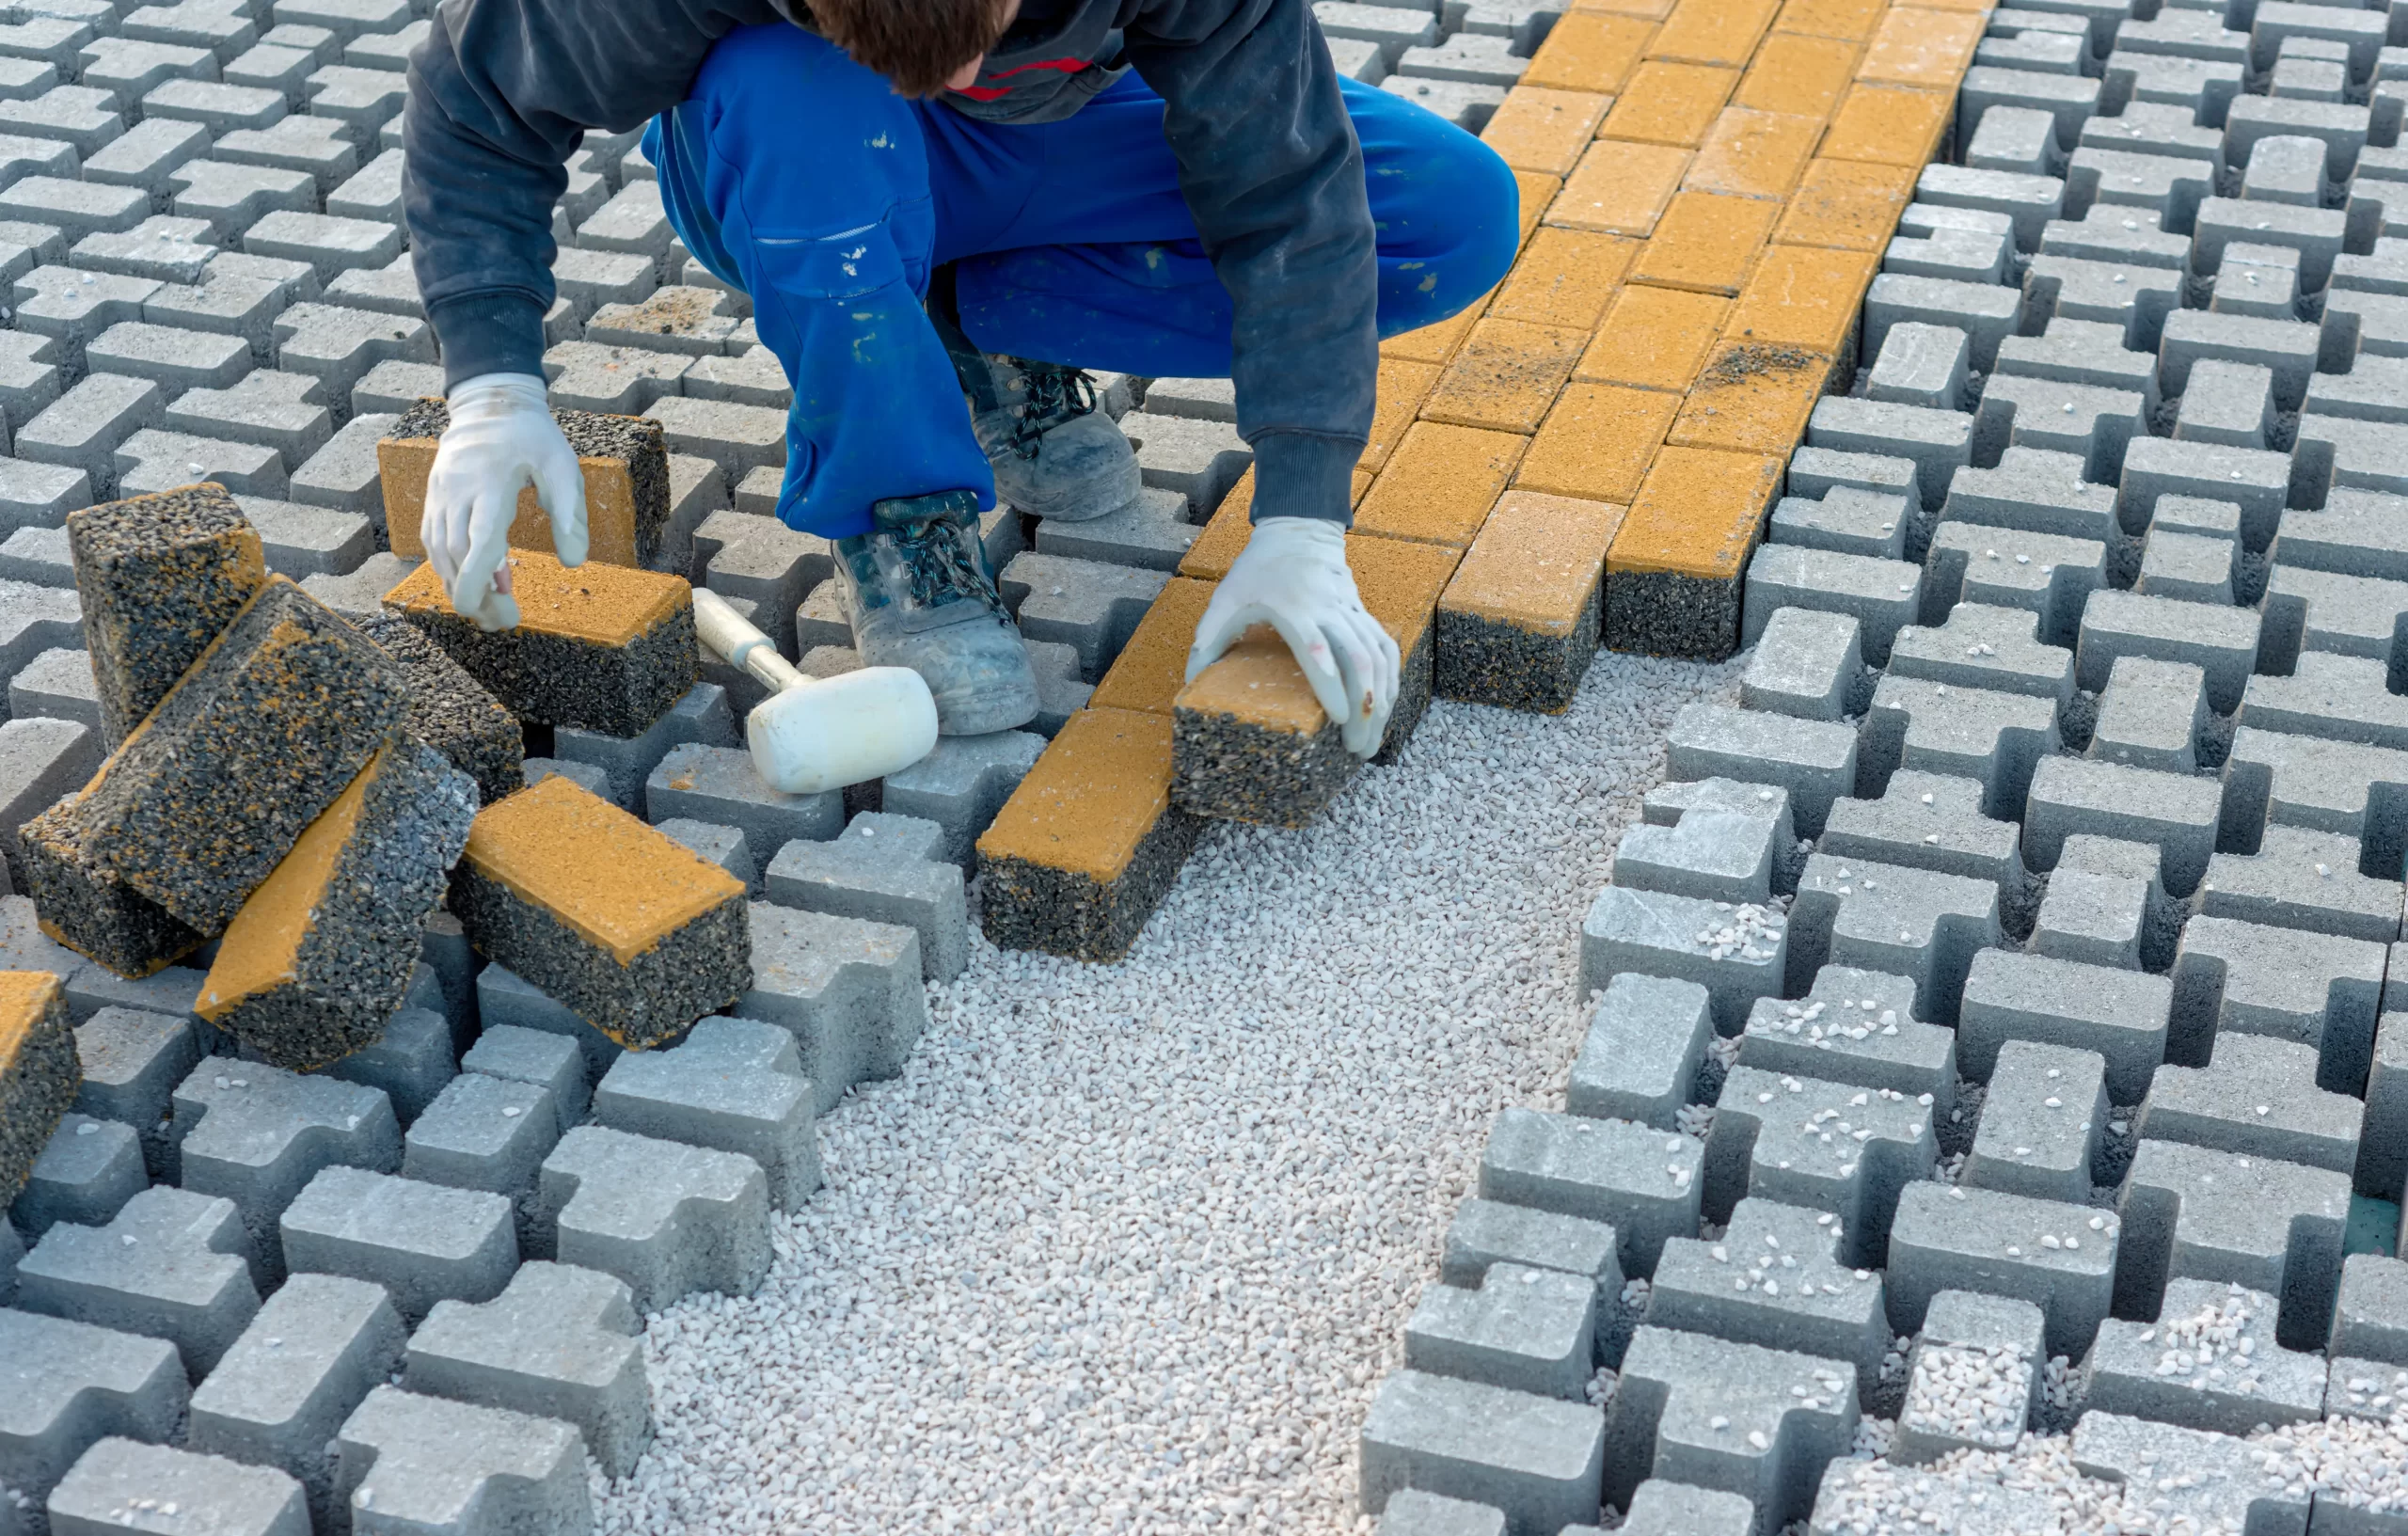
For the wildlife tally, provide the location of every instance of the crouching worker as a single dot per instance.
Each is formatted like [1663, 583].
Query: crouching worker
[934, 201]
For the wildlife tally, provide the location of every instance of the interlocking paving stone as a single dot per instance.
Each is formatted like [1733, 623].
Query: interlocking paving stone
[310, 1354]
[2043, 1122]
[1914, 923]
[1775, 1278]
[1973, 1377]
[2060, 1258]
[1628, 1176]
[71, 1384]
[172, 1265]
[2191, 1213]
[1733, 1417]
[1539, 1460]
[2121, 1015]
[666, 1219]
[2315, 989]
[1831, 1147]
[558, 1342]
[1857, 1027]
[428, 1464]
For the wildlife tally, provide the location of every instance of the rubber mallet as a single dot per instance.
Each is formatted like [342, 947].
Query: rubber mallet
[816, 733]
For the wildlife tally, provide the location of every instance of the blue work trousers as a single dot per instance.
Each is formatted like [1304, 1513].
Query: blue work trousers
[801, 179]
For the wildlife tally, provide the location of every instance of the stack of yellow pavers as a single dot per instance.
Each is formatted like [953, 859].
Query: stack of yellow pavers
[1587, 456]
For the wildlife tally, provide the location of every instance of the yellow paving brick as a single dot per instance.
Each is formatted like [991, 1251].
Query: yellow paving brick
[1673, 575]
[1713, 31]
[1402, 385]
[39, 1074]
[1851, 20]
[1517, 625]
[1537, 190]
[1564, 277]
[1802, 77]
[1224, 532]
[1803, 296]
[1619, 188]
[1597, 442]
[1544, 130]
[1439, 485]
[1436, 343]
[1670, 104]
[1754, 396]
[1654, 338]
[1086, 847]
[1250, 742]
[1846, 205]
[1982, 8]
[1753, 154]
[1705, 243]
[1889, 125]
[1928, 48]
[1152, 667]
[1535, 562]
[1505, 375]
[1589, 51]
[1652, 10]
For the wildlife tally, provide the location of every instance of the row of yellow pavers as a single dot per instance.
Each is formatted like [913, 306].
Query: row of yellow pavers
[1590, 452]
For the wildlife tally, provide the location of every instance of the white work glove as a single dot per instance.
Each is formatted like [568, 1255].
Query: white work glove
[502, 438]
[1293, 575]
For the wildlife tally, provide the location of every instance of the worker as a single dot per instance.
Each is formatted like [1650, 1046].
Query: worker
[939, 202]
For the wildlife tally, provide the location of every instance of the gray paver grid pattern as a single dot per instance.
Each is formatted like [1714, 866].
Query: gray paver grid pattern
[2071, 1023]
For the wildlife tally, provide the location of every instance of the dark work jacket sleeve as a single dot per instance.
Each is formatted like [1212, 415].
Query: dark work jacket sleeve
[500, 94]
[1270, 169]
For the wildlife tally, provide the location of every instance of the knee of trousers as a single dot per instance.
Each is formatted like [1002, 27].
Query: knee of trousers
[1467, 230]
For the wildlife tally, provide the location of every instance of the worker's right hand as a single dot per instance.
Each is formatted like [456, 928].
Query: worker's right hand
[1293, 575]
[502, 438]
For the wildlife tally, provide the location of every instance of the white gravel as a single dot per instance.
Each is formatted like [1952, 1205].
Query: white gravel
[1128, 1248]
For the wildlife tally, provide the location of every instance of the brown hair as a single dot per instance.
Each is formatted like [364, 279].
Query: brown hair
[914, 43]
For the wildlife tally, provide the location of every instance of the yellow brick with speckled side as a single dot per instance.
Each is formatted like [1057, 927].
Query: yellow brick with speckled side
[1619, 188]
[1654, 338]
[1597, 442]
[1564, 277]
[1670, 104]
[1439, 485]
[1713, 31]
[1846, 205]
[1889, 125]
[1752, 396]
[1803, 296]
[1753, 154]
[1852, 21]
[1926, 48]
[1544, 130]
[1705, 243]
[1589, 51]
[1800, 76]
[1505, 375]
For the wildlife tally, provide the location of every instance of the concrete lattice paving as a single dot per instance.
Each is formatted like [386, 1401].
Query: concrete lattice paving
[1127, 1249]
[1995, 1055]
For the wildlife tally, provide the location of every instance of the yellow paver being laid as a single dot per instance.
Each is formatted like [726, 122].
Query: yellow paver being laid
[1589, 452]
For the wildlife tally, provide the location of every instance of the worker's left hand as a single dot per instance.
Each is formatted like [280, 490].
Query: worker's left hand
[502, 438]
[1293, 575]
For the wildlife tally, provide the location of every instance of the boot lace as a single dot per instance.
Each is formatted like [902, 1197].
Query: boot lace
[938, 564]
[1055, 393]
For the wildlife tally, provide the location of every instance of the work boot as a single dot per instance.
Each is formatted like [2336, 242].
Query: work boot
[919, 593]
[1054, 453]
